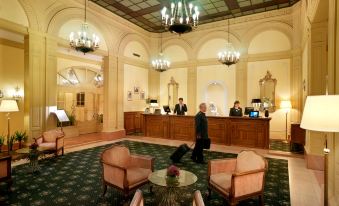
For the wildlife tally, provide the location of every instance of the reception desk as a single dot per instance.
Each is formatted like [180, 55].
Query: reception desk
[237, 131]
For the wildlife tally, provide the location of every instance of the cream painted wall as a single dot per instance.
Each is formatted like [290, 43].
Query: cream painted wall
[269, 41]
[137, 48]
[175, 53]
[280, 70]
[135, 77]
[63, 63]
[11, 10]
[221, 75]
[180, 76]
[211, 48]
[12, 75]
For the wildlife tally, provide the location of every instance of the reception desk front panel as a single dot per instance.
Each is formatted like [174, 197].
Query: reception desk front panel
[237, 131]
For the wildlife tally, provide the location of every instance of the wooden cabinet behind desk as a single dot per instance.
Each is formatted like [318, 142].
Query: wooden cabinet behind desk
[132, 122]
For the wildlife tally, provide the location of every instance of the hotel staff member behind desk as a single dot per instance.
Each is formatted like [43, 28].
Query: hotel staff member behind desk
[180, 108]
[236, 110]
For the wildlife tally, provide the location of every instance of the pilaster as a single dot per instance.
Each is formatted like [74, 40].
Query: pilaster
[241, 81]
[192, 89]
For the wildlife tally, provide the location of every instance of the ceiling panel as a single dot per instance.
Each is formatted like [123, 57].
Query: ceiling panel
[146, 13]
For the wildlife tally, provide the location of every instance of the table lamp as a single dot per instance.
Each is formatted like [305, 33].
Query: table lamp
[8, 105]
[321, 114]
[286, 106]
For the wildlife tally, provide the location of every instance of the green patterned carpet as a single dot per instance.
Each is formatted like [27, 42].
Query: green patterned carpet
[75, 179]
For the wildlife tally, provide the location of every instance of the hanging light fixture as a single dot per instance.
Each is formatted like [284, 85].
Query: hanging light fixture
[82, 41]
[229, 56]
[181, 18]
[98, 80]
[161, 63]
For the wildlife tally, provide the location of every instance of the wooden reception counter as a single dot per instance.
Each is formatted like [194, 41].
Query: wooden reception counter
[237, 131]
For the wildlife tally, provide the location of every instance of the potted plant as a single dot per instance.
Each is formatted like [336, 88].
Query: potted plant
[2, 140]
[11, 142]
[20, 137]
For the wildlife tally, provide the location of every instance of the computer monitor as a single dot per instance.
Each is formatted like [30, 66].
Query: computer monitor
[248, 110]
[254, 114]
[167, 109]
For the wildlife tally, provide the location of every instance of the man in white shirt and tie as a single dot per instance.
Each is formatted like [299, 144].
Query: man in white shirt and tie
[180, 108]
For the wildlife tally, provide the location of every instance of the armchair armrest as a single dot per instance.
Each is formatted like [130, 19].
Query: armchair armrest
[142, 161]
[247, 182]
[221, 166]
[59, 142]
[38, 140]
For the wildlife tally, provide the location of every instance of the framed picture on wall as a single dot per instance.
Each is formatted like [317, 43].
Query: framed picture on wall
[129, 95]
[142, 95]
[136, 90]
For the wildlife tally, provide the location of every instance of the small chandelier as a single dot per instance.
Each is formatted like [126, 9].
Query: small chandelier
[229, 56]
[182, 18]
[161, 63]
[81, 41]
[98, 80]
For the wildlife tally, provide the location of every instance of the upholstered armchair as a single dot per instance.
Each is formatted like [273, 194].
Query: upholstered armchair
[5, 170]
[197, 199]
[52, 141]
[138, 199]
[239, 178]
[124, 171]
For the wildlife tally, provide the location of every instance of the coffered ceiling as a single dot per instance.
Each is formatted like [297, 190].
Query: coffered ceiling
[146, 13]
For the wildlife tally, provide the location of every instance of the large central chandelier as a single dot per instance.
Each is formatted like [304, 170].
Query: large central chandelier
[181, 18]
[161, 63]
[229, 56]
[82, 41]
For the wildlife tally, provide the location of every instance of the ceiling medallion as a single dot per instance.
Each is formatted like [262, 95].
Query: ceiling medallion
[229, 56]
[181, 18]
[161, 64]
[82, 41]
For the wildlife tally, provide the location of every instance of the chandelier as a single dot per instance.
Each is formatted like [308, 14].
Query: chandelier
[161, 63]
[181, 18]
[82, 41]
[98, 80]
[229, 56]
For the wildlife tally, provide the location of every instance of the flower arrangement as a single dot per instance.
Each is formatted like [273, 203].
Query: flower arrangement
[33, 146]
[173, 171]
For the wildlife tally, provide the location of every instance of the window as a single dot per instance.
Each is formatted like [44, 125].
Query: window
[81, 99]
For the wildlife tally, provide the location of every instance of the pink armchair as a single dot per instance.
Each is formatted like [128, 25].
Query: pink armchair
[6, 171]
[138, 199]
[197, 199]
[124, 171]
[240, 178]
[52, 141]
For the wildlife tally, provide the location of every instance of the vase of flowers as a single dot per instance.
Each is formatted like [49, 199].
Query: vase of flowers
[33, 157]
[173, 173]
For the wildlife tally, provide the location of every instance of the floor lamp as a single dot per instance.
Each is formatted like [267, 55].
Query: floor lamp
[286, 106]
[8, 105]
[321, 115]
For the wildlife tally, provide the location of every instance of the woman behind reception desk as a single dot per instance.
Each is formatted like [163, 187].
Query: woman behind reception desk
[236, 110]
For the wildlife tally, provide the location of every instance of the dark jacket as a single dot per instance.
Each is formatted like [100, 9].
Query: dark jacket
[235, 112]
[178, 111]
[201, 128]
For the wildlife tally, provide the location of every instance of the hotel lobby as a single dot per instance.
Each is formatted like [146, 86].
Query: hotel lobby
[178, 102]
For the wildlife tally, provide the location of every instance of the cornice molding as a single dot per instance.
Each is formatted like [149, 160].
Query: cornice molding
[10, 43]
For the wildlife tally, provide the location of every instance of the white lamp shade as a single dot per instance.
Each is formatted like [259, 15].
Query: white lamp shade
[321, 113]
[286, 104]
[9, 105]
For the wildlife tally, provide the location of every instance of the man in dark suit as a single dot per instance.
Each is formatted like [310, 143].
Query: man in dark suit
[201, 134]
[180, 108]
[236, 110]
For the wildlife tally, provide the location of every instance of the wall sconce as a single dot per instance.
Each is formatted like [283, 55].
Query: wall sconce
[17, 95]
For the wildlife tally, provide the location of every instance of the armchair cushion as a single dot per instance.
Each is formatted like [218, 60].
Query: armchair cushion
[248, 160]
[48, 145]
[137, 175]
[50, 136]
[222, 181]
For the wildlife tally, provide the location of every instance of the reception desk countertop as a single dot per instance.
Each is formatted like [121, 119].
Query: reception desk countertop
[237, 131]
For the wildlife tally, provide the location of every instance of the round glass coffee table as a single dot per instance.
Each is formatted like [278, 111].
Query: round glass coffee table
[169, 187]
[32, 157]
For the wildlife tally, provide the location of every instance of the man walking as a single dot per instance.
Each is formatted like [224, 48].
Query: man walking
[201, 134]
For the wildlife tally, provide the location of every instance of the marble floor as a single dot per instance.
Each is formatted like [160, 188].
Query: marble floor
[306, 186]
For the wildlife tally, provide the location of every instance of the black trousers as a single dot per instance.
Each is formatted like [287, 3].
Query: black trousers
[197, 154]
